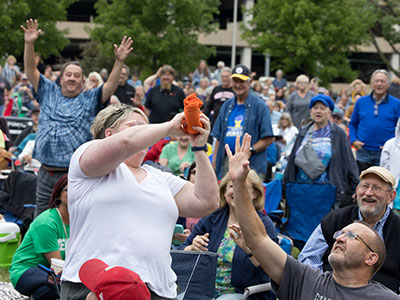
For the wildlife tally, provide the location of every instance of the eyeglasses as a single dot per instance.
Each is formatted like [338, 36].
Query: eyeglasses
[352, 236]
[375, 188]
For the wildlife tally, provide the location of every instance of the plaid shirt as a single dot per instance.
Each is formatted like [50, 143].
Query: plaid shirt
[64, 123]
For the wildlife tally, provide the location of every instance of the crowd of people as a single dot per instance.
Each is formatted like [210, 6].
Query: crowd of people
[116, 170]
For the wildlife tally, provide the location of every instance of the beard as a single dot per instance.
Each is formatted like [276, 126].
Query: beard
[345, 261]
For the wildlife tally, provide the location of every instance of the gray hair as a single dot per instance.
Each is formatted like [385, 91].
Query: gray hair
[382, 71]
[127, 70]
[226, 69]
[111, 117]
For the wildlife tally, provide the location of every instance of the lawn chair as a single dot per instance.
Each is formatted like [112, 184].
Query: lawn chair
[307, 204]
[18, 198]
[195, 271]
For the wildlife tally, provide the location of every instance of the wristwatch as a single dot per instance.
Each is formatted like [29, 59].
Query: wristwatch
[202, 148]
[252, 151]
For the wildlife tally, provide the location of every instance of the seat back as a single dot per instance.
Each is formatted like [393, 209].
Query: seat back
[308, 203]
[195, 271]
[273, 195]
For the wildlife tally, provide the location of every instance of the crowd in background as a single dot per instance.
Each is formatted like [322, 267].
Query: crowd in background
[291, 115]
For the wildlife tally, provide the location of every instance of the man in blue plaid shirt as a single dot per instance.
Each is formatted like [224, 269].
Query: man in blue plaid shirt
[66, 112]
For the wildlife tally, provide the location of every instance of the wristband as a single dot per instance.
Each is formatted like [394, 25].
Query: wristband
[202, 148]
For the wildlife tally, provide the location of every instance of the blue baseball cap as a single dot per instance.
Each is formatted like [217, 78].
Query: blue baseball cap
[324, 99]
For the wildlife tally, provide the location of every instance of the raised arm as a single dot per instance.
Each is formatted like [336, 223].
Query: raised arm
[121, 52]
[115, 149]
[202, 198]
[270, 256]
[150, 80]
[31, 34]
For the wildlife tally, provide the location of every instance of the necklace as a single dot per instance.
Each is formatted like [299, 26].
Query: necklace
[65, 230]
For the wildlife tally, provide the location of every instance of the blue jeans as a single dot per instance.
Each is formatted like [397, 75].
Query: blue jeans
[368, 158]
[34, 282]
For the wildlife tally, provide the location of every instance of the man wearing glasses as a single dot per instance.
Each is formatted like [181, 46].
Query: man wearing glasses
[374, 193]
[357, 254]
[373, 121]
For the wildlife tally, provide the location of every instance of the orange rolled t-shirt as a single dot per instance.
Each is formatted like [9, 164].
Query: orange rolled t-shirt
[192, 106]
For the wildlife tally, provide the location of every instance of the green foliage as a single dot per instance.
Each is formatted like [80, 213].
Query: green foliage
[163, 32]
[314, 36]
[14, 13]
[387, 25]
[93, 60]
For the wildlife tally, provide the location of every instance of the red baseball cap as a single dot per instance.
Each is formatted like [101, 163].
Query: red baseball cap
[112, 283]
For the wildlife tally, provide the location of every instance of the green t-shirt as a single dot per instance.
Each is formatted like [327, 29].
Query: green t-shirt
[170, 152]
[45, 234]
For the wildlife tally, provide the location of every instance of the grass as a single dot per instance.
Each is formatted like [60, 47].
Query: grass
[4, 275]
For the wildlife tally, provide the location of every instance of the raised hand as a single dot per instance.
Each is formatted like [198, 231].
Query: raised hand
[31, 31]
[122, 51]
[239, 163]
[237, 235]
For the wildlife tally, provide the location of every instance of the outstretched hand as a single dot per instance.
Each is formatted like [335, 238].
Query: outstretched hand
[122, 51]
[239, 163]
[31, 31]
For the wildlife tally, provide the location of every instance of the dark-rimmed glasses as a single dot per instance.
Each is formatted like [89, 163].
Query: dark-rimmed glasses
[352, 236]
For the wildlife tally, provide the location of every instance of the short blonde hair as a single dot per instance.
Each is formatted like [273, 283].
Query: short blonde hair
[11, 58]
[254, 181]
[302, 77]
[111, 117]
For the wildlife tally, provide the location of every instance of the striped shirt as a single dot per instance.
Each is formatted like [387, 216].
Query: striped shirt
[64, 123]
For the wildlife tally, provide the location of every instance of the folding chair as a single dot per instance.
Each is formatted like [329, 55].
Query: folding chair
[195, 271]
[307, 204]
[273, 195]
[17, 199]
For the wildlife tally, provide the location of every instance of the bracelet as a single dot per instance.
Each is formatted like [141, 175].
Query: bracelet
[249, 255]
[202, 148]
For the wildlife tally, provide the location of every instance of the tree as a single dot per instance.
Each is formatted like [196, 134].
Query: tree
[314, 36]
[92, 58]
[14, 13]
[387, 25]
[164, 32]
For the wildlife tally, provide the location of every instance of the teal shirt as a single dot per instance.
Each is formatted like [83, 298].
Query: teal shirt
[45, 234]
[170, 152]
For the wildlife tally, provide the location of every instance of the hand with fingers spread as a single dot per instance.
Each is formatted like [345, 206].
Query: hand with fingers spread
[31, 31]
[200, 243]
[122, 51]
[237, 235]
[239, 163]
[200, 139]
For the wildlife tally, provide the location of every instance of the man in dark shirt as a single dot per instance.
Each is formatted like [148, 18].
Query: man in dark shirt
[125, 92]
[165, 100]
[219, 95]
